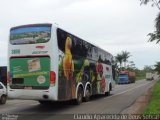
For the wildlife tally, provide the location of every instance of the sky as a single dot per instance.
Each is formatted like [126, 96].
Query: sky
[113, 25]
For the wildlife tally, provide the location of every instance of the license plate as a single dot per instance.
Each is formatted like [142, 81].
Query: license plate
[28, 88]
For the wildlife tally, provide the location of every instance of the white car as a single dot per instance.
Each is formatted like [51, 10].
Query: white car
[3, 94]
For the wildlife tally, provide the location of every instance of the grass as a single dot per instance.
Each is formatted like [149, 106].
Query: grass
[154, 105]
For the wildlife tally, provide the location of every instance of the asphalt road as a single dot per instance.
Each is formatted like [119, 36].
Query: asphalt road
[122, 97]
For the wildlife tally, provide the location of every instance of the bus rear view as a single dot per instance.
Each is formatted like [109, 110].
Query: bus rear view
[47, 64]
[30, 74]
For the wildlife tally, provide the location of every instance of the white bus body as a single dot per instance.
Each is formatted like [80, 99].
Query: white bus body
[47, 63]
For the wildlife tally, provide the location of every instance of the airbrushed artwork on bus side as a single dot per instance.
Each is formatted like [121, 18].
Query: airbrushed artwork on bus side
[80, 61]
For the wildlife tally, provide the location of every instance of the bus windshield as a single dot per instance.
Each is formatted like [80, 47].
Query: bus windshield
[30, 34]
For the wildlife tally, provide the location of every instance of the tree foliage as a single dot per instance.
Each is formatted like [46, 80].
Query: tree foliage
[119, 59]
[122, 58]
[153, 3]
[148, 68]
[157, 67]
[155, 36]
[125, 56]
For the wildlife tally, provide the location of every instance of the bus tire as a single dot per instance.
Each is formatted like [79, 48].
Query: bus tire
[44, 102]
[78, 101]
[110, 87]
[107, 93]
[87, 94]
[3, 99]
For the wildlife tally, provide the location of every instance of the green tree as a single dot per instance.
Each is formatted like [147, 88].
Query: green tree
[131, 66]
[148, 68]
[125, 56]
[155, 36]
[119, 59]
[157, 67]
[153, 3]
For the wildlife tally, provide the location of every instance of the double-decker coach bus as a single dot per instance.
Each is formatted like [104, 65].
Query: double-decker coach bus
[47, 64]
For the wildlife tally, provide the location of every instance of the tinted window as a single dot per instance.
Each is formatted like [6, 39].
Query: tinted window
[81, 48]
[78, 46]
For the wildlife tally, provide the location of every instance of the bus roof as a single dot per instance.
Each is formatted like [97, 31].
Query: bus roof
[49, 24]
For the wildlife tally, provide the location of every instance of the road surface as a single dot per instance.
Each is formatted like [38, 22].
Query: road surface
[122, 97]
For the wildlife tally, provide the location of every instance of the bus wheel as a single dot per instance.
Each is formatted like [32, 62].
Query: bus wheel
[3, 99]
[78, 101]
[44, 102]
[87, 95]
[107, 93]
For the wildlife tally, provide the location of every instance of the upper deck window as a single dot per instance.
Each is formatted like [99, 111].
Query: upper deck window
[30, 34]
